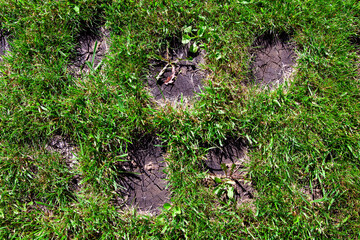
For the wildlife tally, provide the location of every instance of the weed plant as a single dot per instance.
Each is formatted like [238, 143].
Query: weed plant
[303, 137]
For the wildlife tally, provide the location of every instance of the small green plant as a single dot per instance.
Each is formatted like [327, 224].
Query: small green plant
[91, 64]
[225, 187]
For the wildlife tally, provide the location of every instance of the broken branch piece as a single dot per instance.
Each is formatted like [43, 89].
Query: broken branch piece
[171, 78]
[162, 72]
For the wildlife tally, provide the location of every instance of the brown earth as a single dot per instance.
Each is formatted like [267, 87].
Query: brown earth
[187, 66]
[86, 50]
[228, 163]
[313, 191]
[4, 45]
[143, 176]
[67, 150]
[273, 59]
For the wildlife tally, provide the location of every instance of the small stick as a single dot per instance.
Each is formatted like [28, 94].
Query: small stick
[170, 79]
[162, 72]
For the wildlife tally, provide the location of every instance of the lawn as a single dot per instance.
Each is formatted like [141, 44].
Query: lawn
[180, 119]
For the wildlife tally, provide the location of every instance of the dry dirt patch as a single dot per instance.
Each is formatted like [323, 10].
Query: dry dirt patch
[4, 45]
[67, 150]
[92, 44]
[273, 59]
[313, 192]
[177, 72]
[227, 163]
[143, 176]
[355, 41]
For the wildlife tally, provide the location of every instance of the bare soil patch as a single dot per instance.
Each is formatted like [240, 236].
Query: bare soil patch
[4, 45]
[67, 150]
[313, 192]
[143, 176]
[355, 41]
[177, 72]
[227, 163]
[273, 59]
[93, 45]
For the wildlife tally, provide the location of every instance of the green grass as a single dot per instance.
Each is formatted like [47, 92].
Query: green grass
[308, 134]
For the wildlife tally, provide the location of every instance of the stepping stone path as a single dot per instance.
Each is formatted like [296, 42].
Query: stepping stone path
[227, 163]
[182, 67]
[273, 59]
[143, 177]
